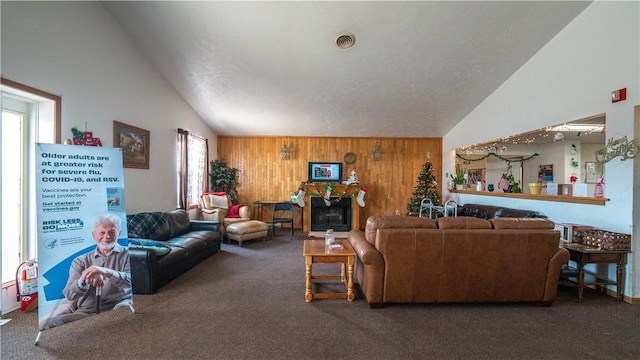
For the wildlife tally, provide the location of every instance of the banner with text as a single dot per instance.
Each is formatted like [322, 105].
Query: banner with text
[83, 256]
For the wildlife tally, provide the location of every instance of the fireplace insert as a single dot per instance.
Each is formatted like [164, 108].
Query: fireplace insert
[336, 217]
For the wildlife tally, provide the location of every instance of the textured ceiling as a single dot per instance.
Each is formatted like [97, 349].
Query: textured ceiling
[272, 68]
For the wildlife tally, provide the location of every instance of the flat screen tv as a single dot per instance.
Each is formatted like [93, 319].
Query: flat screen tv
[325, 172]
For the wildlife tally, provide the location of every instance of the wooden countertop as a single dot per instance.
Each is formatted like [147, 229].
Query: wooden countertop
[543, 197]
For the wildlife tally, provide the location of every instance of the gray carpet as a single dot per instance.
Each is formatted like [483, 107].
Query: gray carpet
[248, 303]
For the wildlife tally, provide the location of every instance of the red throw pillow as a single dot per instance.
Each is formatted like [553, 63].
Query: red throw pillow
[234, 211]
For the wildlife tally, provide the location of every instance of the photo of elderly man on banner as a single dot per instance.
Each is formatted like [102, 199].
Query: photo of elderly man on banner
[83, 253]
[99, 280]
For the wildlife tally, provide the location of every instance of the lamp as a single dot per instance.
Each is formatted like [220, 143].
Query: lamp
[377, 153]
[284, 152]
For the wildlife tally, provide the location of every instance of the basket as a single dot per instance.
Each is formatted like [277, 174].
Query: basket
[578, 233]
[535, 188]
[607, 240]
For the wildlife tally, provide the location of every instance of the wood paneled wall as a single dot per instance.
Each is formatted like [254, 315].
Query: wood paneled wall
[390, 182]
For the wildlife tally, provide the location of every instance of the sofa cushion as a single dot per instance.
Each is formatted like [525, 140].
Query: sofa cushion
[521, 223]
[148, 225]
[517, 213]
[463, 222]
[491, 211]
[179, 222]
[159, 247]
[376, 222]
[191, 243]
[479, 211]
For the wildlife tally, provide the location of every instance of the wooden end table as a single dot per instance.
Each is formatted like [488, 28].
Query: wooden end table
[315, 251]
[583, 255]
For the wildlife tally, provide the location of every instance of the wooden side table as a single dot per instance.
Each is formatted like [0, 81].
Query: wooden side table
[583, 255]
[315, 251]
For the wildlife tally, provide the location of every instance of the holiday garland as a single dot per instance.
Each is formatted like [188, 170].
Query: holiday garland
[498, 156]
[336, 196]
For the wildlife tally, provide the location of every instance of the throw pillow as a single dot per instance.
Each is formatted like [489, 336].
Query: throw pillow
[234, 211]
[148, 225]
[156, 246]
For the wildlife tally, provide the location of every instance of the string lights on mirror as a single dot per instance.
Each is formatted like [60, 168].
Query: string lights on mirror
[590, 130]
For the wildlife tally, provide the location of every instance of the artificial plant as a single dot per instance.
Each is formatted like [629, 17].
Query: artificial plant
[514, 186]
[223, 178]
[458, 179]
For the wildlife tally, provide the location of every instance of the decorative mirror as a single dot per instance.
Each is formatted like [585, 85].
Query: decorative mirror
[566, 153]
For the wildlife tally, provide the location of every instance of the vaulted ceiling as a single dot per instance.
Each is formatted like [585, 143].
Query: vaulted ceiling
[273, 68]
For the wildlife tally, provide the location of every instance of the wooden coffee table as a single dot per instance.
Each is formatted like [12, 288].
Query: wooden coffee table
[314, 251]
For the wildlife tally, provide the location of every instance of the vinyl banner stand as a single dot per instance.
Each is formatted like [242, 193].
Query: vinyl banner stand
[81, 234]
[40, 332]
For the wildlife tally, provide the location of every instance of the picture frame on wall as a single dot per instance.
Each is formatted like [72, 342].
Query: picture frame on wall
[135, 143]
[473, 176]
[545, 173]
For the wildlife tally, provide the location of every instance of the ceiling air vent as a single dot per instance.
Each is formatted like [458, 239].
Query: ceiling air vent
[345, 40]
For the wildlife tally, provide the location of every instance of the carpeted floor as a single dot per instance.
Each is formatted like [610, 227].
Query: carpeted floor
[248, 303]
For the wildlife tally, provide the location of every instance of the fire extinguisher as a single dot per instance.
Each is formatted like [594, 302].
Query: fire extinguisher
[27, 285]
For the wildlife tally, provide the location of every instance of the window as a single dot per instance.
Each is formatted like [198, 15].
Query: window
[40, 114]
[12, 185]
[192, 168]
[197, 150]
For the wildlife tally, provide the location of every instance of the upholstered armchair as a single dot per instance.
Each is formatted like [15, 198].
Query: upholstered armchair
[218, 207]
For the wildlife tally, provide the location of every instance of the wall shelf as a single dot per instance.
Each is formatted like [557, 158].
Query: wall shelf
[542, 197]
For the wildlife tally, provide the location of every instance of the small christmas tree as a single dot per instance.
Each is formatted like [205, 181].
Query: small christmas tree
[426, 187]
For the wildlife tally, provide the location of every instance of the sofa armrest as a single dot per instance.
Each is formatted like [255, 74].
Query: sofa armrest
[366, 252]
[212, 215]
[244, 212]
[556, 262]
[369, 268]
[144, 266]
[204, 225]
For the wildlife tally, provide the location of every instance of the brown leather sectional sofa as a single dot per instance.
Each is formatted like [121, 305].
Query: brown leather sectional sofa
[405, 259]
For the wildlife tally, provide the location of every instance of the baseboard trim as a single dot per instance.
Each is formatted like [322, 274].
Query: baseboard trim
[605, 290]
[14, 307]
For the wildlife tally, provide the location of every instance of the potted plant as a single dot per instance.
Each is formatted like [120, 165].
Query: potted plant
[458, 179]
[223, 178]
[514, 186]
